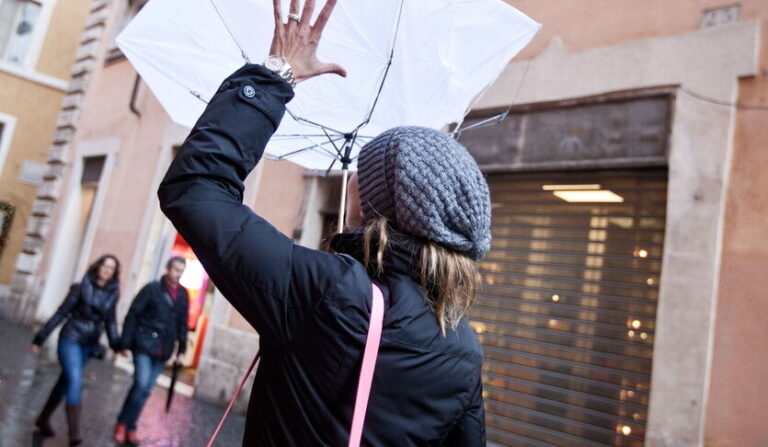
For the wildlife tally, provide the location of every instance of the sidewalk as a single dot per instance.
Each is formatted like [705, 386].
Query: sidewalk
[26, 381]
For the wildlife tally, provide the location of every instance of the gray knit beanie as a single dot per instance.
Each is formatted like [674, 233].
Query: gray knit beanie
[427, 185]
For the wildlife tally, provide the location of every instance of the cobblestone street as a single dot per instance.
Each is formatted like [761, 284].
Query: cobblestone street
[25, 382]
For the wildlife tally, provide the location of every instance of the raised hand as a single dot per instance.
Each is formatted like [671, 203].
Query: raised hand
[297, 40]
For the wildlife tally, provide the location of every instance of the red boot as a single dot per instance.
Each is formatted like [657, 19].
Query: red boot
[133, 438]
[120, 433]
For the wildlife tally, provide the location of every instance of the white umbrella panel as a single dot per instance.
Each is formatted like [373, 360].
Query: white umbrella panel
[409, 62]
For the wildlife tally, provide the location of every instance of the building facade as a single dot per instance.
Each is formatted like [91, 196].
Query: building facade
[99, 196]
[38, 43]
[623, 296]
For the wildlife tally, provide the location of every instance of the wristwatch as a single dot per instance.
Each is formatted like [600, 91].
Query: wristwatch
[279, 66]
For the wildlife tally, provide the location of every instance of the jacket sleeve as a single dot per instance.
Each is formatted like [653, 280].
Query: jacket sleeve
[181, 323]
[254, 266]
[469, 430]
[110, 324]
[132, 318]
[61, 313]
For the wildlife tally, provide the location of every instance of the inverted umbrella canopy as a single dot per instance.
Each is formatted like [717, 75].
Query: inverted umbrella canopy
[409, 62]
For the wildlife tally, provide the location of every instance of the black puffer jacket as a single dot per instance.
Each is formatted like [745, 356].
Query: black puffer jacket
[155, 322]
[311, 308]
[88, 309]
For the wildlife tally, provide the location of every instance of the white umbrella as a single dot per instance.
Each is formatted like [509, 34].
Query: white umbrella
[409, 62]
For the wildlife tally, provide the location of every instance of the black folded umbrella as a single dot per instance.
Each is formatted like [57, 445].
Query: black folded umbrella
[174, 377]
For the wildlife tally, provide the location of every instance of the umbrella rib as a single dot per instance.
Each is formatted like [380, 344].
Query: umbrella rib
[378, 92]
[288, 154]
[338, 151]
[484, 123]
[288, 136]
[196, 95]
[320, 145]
[386, 70]
[328, 171]
[224, 22]
[311, 123]
[495, 119]
[303, 149]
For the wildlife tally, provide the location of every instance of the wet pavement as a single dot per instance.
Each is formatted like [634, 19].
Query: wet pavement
[26, 380]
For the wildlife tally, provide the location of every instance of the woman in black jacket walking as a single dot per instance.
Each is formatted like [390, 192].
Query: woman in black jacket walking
[420, 215]
[88, 308]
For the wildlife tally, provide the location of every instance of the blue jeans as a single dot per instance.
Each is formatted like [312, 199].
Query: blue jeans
[146, 370]
[73, 356]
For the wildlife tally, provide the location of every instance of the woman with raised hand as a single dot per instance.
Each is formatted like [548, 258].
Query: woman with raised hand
[88, 309]
[418, 218]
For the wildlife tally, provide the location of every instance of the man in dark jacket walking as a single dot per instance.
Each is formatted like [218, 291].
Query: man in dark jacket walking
[156, 320]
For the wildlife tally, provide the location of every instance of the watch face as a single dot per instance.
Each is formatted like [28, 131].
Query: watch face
[274, 63]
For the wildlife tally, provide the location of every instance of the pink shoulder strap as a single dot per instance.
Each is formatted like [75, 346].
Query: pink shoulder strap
[370, 353]
[234, 398]
[369, 364]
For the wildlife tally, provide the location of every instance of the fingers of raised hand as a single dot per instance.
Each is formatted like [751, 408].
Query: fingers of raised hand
[277, 12]
[322, 18]
[325, 68]
[297, 38]
[294, 9]
[306, 14]
[293, 22]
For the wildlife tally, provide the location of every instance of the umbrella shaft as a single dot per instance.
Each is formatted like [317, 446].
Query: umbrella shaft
[343, 204]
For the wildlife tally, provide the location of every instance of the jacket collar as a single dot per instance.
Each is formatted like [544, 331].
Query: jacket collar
[88, 286]
[402, 254]
[160, 286]
[89, 279]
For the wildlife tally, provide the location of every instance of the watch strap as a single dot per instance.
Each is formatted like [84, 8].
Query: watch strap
[285, 71]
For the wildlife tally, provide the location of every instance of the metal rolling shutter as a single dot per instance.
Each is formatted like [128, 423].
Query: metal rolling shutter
[567, 311]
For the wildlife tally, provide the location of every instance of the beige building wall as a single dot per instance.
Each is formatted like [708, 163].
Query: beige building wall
[710, 361]
[738, 391]
[31, 94]
[137, 139]
[138, 150]
[711, 358]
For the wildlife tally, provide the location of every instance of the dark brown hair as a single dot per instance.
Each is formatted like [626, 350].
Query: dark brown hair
[175, 259]
[93, 270]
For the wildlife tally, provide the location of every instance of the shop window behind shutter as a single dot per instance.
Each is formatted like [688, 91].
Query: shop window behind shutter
[567, 311]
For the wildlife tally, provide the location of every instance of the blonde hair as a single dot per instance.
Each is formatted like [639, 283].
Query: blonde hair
[449, 278]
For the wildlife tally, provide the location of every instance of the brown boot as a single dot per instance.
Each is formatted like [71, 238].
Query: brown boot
[73, 418]
[43, 422]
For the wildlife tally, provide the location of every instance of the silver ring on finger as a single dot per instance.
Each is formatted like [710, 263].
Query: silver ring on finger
[293, 16]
